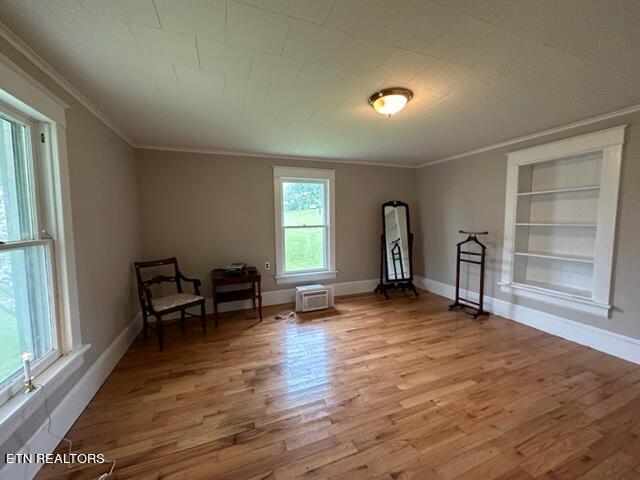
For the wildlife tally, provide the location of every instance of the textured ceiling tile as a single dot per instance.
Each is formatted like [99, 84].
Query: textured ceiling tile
[502, 89]
[149, 72]
[293, 102]
[600, 31]
[134, 11]
[363, 17]
[317, 77]
[221, 57]
[307, 42]
[275, 68]
[166, 46]
[97, 32]
[554, 69]
[450, 77]
[199, 81]
[403, 65]
[419, 23]
[410, 24]
[77, 4]
[476, 44]
[249, 89]
[255, 28]
[315, 11]
[203, 18]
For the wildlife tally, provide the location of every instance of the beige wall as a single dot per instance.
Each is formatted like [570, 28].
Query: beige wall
[210, 210]
[105, 222]
[469, 193]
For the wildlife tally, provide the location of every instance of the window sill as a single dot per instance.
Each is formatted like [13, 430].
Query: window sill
[21, 406]
[305, 277]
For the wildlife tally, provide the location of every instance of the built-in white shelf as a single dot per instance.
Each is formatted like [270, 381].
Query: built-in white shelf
[580, 225]
[560, 220]
[560, 190]
[556, 288]
[555, 256]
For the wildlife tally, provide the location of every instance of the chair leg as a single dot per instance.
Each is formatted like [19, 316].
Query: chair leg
[182, 318]
[160, 331]
[203, 318]
[145, 326]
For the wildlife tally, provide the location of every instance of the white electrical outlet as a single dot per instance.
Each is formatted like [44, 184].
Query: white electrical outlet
[267, 265]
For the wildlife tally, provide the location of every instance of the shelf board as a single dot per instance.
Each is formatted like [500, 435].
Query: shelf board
[580, 225]
[550, 287]
[560, 190]
[555, 256]
[234, 295]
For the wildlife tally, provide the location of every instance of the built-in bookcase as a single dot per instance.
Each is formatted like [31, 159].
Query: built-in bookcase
[560, 220]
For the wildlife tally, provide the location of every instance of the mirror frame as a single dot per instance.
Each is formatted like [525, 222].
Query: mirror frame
[395, 204]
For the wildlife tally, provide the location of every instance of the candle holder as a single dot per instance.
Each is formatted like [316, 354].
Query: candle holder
[29, 386]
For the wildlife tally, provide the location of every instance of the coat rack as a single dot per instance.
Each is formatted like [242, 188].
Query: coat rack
[475, 309]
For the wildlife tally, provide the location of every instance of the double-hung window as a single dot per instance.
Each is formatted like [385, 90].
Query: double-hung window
[27, 313]
[305, 233]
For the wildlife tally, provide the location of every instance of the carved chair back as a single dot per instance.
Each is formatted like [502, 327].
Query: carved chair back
[144, 285]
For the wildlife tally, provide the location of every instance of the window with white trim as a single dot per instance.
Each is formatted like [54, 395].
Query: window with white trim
[305, 233]
[27, 298]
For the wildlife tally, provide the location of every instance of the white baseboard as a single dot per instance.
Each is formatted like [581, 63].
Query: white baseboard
[620, 346]
[279, 297]
[72, 405]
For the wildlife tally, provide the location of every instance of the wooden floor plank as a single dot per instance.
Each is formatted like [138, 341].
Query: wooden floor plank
[374, 389]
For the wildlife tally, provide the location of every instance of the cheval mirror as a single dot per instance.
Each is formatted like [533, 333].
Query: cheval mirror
[396, 252]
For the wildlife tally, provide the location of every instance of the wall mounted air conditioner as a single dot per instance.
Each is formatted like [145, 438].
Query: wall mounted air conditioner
[313, 297]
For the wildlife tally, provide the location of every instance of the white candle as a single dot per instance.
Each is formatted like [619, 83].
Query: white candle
[26, 364]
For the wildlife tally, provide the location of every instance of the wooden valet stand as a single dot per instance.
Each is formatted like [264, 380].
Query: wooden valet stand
[475, 309]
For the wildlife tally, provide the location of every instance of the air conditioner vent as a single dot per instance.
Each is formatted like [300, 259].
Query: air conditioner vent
[313, 297]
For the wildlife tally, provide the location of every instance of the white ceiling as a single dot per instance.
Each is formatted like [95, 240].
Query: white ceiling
[292, 77]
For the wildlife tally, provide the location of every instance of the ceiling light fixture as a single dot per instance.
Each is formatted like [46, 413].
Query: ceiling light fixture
[390, 101]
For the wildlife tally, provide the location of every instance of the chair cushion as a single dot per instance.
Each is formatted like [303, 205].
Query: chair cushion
[172, 301]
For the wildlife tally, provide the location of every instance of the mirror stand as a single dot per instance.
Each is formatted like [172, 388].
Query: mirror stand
[396, 249]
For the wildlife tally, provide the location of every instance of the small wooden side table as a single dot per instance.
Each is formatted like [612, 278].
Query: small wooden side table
[249, 276]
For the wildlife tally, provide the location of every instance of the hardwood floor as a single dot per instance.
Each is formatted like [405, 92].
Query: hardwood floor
[397, 389]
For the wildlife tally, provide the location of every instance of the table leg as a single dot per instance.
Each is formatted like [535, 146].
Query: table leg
[215, 307]
[259, 300]
[254, 295]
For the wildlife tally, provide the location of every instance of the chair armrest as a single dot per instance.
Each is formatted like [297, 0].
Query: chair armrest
[196, 282]
[147, 294]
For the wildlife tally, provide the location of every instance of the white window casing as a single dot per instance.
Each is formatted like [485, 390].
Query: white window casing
[24, 99]
[327, 177]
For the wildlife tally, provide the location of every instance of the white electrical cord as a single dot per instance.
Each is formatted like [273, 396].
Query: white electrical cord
[104, 476]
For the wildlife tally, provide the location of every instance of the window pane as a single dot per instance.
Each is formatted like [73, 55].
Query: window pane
[25, 312]
[16, 198]
[304, 248]
[303, 203]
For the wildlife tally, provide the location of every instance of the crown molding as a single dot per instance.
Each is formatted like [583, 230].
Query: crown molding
[21, 46]
[273, 156]
[543, 133]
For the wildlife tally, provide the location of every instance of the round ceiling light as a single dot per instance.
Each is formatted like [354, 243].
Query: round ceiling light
[390, 101]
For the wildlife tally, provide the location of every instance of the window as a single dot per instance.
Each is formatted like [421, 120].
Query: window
[27, 313]
[305, 236]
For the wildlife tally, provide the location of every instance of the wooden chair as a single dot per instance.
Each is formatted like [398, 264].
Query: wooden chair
[160, 306]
